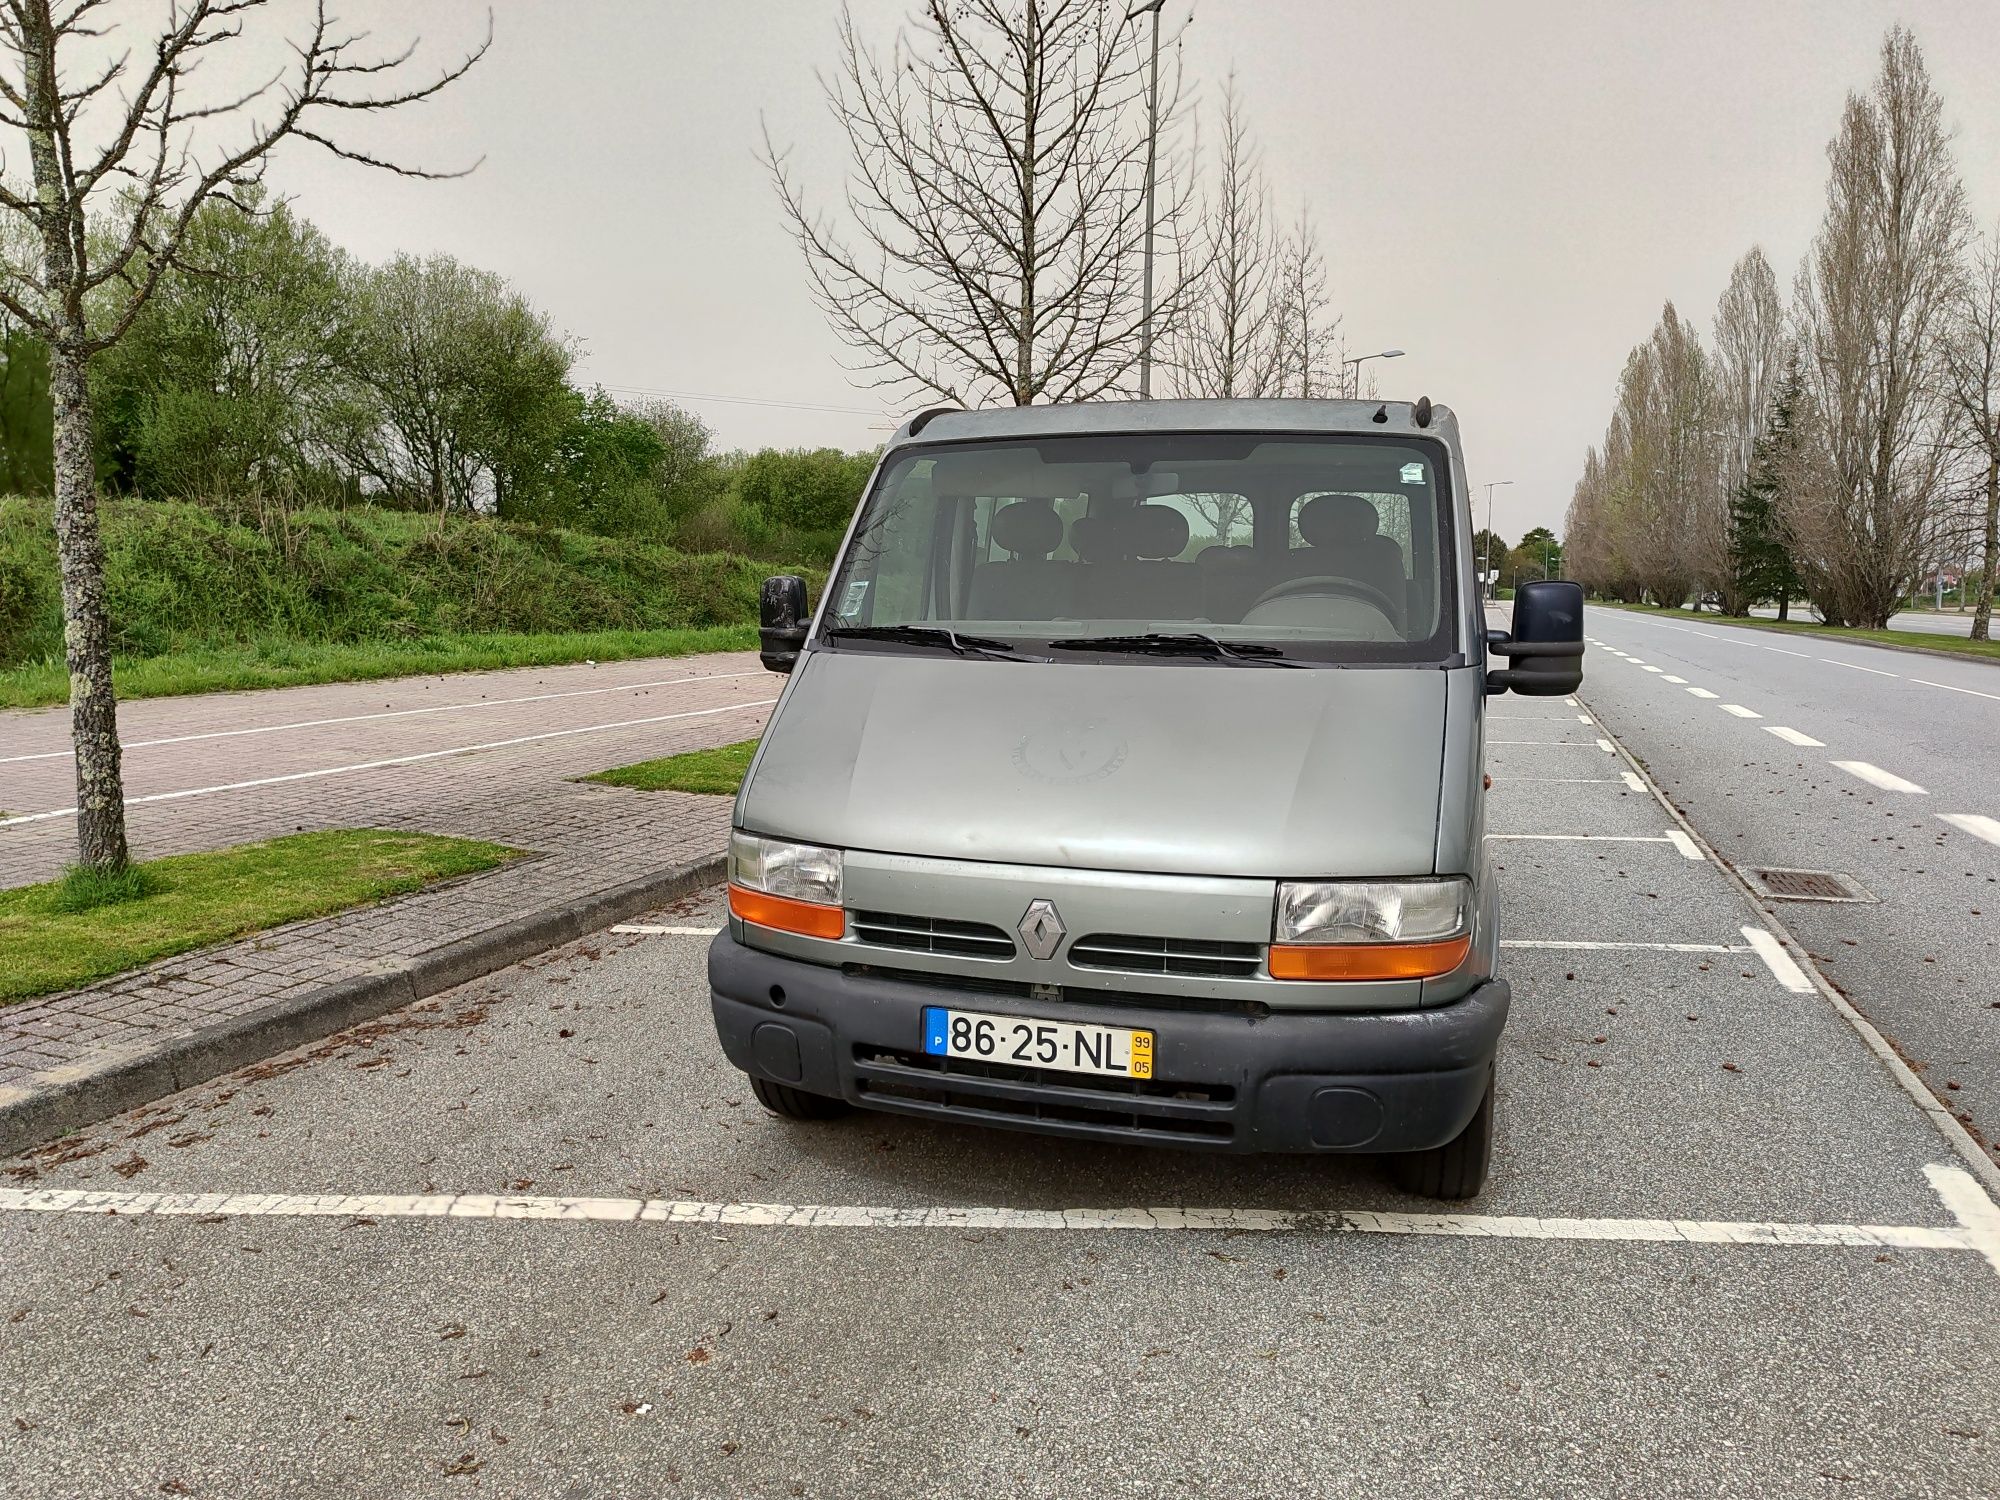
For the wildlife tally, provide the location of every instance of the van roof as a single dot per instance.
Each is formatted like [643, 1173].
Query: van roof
[1090, 417]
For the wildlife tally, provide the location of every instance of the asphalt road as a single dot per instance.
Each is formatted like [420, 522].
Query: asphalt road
[1929, 622]
[1669, 1289]
[1920, 957]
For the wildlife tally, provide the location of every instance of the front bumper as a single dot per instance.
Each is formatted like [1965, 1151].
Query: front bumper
[1294, 1082]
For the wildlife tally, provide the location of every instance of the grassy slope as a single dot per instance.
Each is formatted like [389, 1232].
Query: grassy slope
[1923, 640]
[190, 900]
[199, 600]
[718, 772]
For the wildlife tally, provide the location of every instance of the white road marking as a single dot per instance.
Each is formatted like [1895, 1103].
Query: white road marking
[1876, 776]
[1685, 844]
[1590, 838]
[399, 760]
[1635, 661]
[1573, 744]
[1793, 737]
[1605, 746]
[1655, 669]
[1977, 824]
[1701, 692]
[1740, 711]
[1950, 689]
[1835, 661]
[1968, 1204]
[1631, 779]
[1801, 655]
[1565, 780]
[1623, 947]
[1677, 681]
[651, 931]
[1583, 719]
[401, 713]
[1779, 961]
[1968, 1234]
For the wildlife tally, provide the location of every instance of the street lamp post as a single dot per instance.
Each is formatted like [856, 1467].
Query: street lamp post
[1152, 154]
[1486, 567]
[1354, 368]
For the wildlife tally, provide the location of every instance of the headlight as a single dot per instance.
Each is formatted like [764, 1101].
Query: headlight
[786, 886]
[1371, 929]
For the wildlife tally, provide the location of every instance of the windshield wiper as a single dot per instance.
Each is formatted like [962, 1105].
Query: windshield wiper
[928, 635]
[1180, 643]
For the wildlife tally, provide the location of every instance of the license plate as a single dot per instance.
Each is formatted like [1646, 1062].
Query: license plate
[1033, 1043]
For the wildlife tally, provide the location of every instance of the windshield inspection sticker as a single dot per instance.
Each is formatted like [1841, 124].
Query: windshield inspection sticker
[1413, 473]
[850, 601]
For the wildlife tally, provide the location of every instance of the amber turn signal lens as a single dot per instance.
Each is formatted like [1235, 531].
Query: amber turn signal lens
[1368, 960]
[783, 914]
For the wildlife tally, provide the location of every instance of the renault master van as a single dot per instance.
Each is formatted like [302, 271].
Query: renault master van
[1127, 786]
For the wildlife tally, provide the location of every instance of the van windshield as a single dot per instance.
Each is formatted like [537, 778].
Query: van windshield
[1242, 548]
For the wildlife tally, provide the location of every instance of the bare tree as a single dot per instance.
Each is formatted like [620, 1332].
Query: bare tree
[1305, 327]
[1873, 302]
[1749, 360]
[1227, 340]
[119, 134]
[1973, 363]
[996, 203]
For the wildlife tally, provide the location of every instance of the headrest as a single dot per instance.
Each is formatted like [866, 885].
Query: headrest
[1096, 539]
[1028, 528]
[1157, 531]
[1337, 520]
[1226, 557]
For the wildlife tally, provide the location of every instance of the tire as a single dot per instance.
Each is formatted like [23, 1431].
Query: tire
[796, 1104]
[1457, 1169]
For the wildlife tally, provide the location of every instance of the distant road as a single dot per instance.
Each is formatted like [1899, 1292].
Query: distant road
[1909, 619]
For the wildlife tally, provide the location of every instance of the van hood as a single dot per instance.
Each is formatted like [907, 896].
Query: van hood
[1158, 766]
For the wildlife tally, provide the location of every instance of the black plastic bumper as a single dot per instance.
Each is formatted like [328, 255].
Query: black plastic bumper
[1322, 1081]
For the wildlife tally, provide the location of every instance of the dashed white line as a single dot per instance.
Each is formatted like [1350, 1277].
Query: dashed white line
[1784, 968]
[651, 931]
[1876, 776]
[1793, 737]
[1702, 692]
[1801, 655]
[1655, 669]
[1974, 692]
[1740, 711]
[1977, 824]
[400, 760]
[1968, 1234]
[1856, 666]
[1677, 681]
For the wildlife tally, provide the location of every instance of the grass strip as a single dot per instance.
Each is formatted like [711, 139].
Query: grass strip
[1914, 640]
[716, 773]
[289, 663]
[83, 927]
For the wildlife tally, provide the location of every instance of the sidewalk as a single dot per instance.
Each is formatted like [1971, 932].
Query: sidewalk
[595, 854]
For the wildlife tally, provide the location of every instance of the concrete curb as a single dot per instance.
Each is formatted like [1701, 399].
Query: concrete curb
[68, 1099]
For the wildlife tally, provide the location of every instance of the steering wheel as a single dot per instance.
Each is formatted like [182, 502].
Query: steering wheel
[1327, 584]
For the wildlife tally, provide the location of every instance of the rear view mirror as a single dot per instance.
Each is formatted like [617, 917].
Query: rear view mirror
[781, 621]
[1547, 642]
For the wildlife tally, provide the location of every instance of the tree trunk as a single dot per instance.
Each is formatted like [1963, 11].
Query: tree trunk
[100, 787]
[1784, 604]
[1982, 614]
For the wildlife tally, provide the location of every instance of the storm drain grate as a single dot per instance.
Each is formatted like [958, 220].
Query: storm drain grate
[1807, 885]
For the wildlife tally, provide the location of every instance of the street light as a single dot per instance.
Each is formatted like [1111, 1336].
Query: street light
[1486, 566]
[1354, 367]
[1152, 152]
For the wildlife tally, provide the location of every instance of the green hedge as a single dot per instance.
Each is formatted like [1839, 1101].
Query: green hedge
[182, 576]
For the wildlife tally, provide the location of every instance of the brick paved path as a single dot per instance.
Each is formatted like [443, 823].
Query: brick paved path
[587, 838]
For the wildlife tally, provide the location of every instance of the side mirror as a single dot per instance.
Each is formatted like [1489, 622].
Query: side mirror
[781, 621]
[1547, 642]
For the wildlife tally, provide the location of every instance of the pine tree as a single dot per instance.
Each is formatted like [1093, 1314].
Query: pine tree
[1760, 559]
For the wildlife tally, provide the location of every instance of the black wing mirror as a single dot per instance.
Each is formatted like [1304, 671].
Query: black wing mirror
[1547, 642]
[781, 621]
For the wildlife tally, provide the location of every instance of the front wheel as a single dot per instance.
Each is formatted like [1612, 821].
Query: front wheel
[796, 1104]
[1457, 1169]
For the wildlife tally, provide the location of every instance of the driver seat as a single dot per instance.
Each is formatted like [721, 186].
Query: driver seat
[1344, 541]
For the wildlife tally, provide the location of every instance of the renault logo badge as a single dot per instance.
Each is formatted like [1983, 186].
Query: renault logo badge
[1041, 928]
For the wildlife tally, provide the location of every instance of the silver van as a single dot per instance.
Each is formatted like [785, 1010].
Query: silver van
[1127, 786]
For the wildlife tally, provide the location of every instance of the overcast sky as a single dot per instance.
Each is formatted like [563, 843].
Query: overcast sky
[1506, 191]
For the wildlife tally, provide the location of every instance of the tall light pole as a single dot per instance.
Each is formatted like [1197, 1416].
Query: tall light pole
[1486, 567]
[1354, 368]
[1152, 155]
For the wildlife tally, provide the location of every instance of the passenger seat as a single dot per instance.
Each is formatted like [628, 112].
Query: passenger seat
[1128, 572]
[1029, 585]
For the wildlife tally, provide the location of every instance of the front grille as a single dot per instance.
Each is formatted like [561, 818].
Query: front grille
[1190, 958]
[1072, 994]
[1195, 1113]
[888, 929]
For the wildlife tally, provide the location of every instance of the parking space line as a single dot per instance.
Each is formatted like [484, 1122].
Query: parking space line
[1976, 824]
[400, 760]
[1572, 744]
[1793, 737]
[1604, 745]
[1783, 967]
[1565, 780]
[1740, 711]
[1567, 944]
[1631, 779]
[1876, 776]
[1968, 1203]
[1686, 845]
[1589, 838]
[1968, 1234]
[651, 931]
